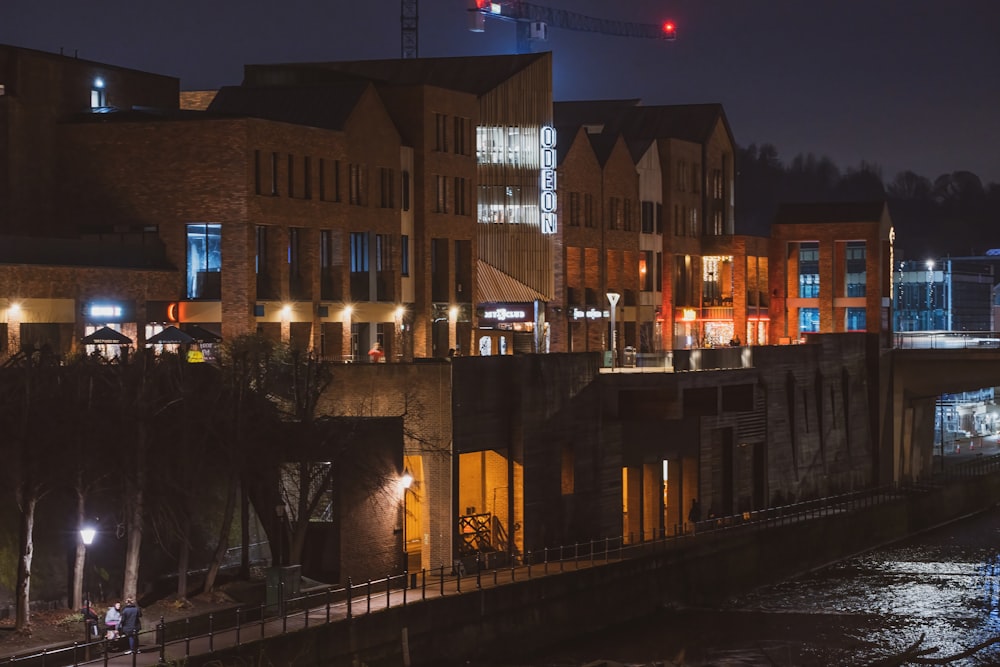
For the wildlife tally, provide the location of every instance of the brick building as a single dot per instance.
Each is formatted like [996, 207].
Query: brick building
[480, 129]
[830, 270]
[698, 283]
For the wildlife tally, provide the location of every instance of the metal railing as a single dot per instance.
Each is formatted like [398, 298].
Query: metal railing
[204, 633]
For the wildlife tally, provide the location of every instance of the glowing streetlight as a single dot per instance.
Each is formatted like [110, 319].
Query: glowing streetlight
[405, 481]
[613, 300]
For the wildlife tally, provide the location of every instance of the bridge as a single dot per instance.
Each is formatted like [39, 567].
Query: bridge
[921, 367]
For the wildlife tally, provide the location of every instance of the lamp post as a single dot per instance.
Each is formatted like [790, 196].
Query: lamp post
[406, 481]
[87, 535]
[279, 512]
[613, 300]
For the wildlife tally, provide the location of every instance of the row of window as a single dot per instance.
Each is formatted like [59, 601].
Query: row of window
[688, 177]
[854, 320]
[327, 184]
[451, 195]
[454, 132]
[204, 255]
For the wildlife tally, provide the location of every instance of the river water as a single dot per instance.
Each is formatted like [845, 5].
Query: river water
[943, 584]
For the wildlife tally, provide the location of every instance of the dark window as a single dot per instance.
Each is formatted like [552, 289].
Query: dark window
[291, 175]
[647, 213]
[307, 178]
[404, 255]
[440, 132]
[274, 174]
[256, 172]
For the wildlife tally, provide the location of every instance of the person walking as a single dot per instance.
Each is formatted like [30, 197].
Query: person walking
[376, 354]
[131, 624]
[694, 516]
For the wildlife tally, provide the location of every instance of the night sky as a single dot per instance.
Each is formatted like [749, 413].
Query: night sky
[904, 84]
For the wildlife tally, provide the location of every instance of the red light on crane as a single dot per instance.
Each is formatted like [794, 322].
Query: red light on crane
[669, 30]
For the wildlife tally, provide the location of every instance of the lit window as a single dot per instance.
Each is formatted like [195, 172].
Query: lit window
[204, 261]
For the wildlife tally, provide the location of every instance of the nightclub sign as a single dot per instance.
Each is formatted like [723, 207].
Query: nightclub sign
[514, 313]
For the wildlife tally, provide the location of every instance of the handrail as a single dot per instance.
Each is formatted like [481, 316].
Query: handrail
[334, 603]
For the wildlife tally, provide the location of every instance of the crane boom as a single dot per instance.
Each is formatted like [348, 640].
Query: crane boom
[534, 20]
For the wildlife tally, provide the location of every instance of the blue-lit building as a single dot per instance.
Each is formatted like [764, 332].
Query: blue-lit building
[943, 295]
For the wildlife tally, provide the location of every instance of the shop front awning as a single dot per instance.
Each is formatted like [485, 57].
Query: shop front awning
[107, 336]
[495, 286]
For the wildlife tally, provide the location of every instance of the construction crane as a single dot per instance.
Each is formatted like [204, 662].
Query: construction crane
[408, 16]
[533, 22]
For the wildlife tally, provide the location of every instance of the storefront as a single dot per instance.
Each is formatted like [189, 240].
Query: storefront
[505, 328]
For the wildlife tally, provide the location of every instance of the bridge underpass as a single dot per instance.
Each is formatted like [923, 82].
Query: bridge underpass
[911, 387]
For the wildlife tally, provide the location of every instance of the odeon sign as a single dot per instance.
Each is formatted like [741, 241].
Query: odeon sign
[547, 201]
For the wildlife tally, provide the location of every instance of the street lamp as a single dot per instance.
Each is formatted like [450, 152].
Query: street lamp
[279, 513]
[613, 300]
[87, 535]
[406, 481]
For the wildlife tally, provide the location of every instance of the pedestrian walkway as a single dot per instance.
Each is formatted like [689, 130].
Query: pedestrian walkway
[317, 607]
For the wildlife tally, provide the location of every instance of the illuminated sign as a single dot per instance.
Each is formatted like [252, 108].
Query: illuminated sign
[105, 310]
[689, 315]
[590, 314]
[547, 201]
[502, 315]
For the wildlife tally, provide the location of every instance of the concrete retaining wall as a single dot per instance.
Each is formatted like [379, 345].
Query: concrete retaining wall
[517, 619]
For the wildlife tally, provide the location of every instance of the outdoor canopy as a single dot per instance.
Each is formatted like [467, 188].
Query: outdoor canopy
[107, 336]
[170, 334]
[201, 334]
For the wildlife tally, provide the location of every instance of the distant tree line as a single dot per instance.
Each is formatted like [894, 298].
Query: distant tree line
[954, 214]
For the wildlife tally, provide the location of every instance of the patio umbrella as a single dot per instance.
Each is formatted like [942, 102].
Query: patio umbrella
[170, 335]
[202, 335]
[107, 336]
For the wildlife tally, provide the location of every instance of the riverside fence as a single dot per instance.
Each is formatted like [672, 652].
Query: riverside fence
[199, 634]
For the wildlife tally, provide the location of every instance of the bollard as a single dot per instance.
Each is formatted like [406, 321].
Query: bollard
[442, 580]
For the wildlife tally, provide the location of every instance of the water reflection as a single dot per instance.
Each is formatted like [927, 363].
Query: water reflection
[943, 584]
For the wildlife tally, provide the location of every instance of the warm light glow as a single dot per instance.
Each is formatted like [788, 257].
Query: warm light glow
[286, 311]
[669, 29]
[406, 480]
[689, 315]
[14, 308]
[400, 311]
[348, 309]
[453, 313]
[642, 267]
[87, 534]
